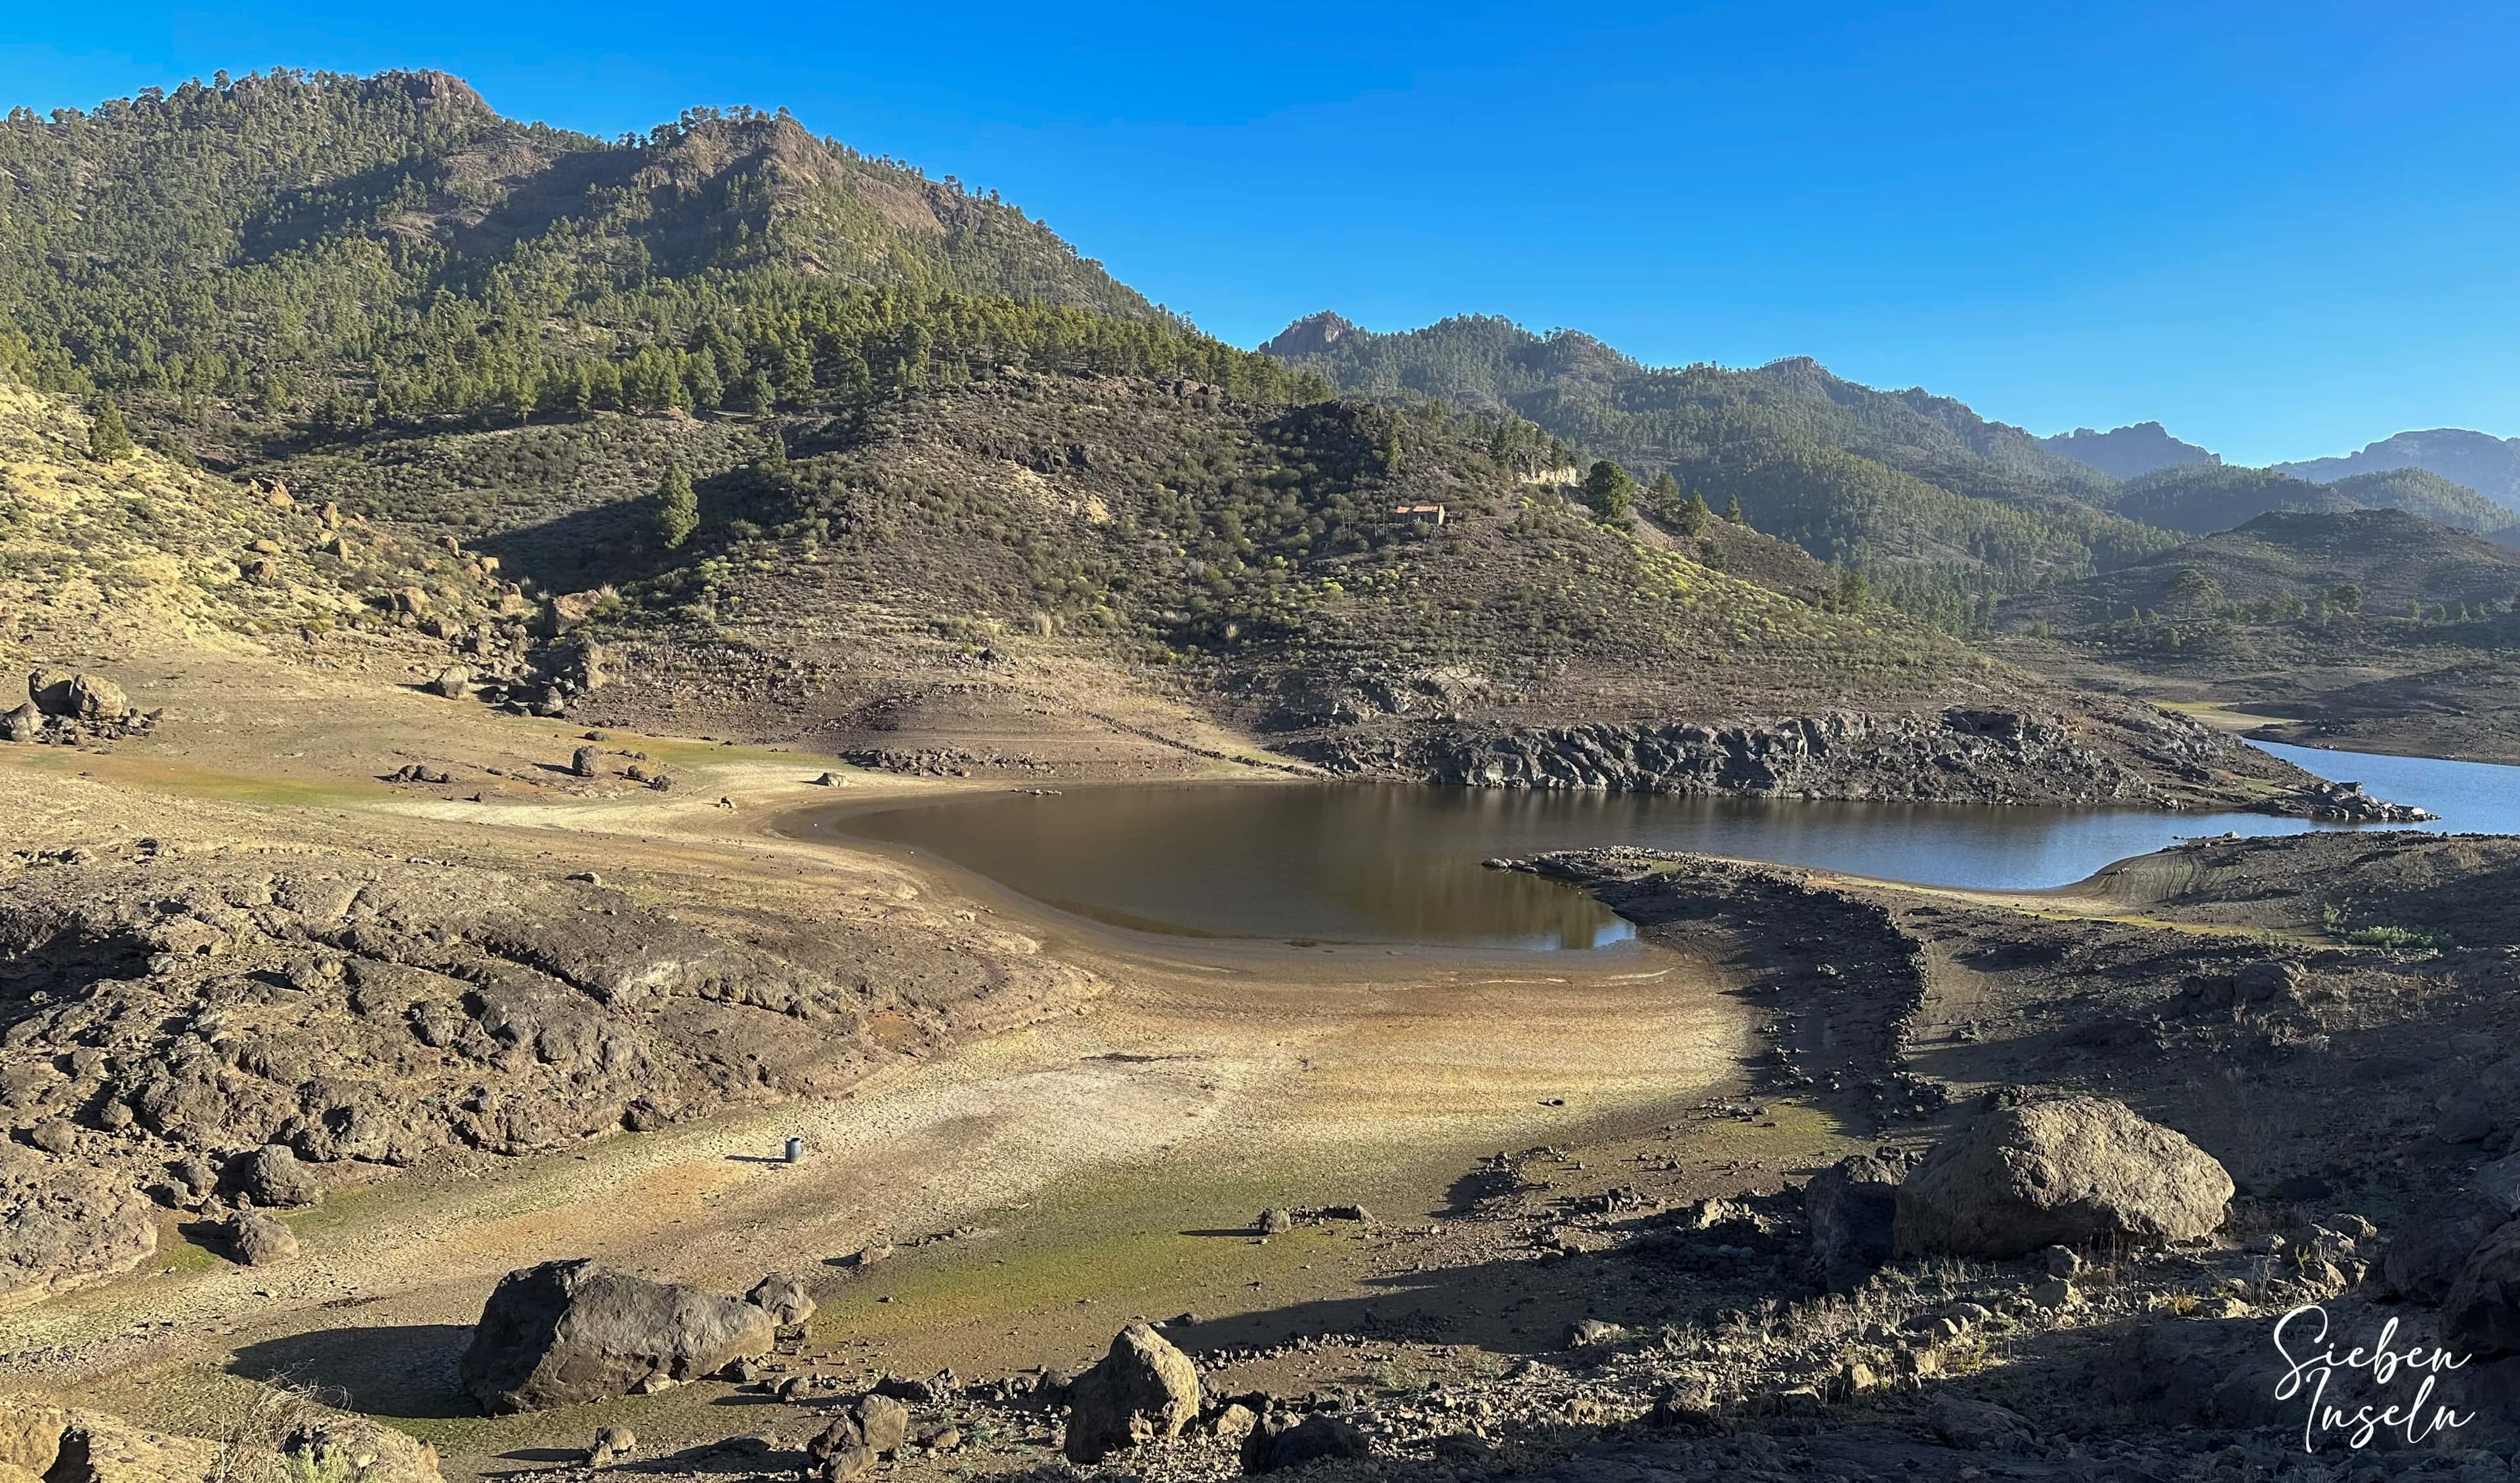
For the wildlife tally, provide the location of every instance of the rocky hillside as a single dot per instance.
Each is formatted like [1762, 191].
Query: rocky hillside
[947, 552]
[1943, 506]
[2484, 463]
[2128, 452]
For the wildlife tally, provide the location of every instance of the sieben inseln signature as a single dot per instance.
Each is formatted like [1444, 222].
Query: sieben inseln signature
[2301, 1337]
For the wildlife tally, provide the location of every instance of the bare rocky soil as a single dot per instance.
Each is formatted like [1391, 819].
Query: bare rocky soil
[1662, 1303]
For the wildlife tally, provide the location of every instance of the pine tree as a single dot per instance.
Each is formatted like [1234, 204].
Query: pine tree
[108, 439]
[1733, 511]
[1610, 490]
[678, 508]
[1695, 517]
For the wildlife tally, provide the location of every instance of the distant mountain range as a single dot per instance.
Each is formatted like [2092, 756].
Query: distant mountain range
[2198, 499]
[2482, 462]
[2488, 465]
[1944, 508]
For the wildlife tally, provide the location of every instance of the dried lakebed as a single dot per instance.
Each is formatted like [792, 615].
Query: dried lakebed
[1350, 863]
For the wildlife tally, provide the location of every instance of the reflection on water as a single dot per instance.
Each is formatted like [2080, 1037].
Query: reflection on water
[1382, 863]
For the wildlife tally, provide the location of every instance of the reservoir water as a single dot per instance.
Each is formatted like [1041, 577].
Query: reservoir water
[1378, 863]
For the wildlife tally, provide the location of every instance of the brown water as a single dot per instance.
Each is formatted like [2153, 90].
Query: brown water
[1397, 863]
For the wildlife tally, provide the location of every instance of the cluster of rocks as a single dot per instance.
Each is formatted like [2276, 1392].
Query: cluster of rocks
[506, 666]
[1365, 692]
[934, 762]
[71, 710]
[2342, 804]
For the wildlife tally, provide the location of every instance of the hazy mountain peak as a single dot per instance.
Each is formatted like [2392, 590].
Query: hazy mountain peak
[2128, 452]
[2484, 463]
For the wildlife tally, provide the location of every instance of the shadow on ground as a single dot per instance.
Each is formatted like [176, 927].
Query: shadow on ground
[406, 1370]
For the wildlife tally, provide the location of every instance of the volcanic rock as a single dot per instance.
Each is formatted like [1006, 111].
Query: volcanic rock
[566, 1332]
[2071, 1172]
[1143, 1390]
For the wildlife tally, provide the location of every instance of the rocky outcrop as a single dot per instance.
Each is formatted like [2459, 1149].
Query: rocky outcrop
[1959, 755]
[2071, 1172]
[782, 1297]
[190, 1029]
[73, 708]
[566, 1332]
[57, 1445]
[273, 1175]
[1143, 1390]
[63, 1224]
[873, 1427]
[1282, 1441]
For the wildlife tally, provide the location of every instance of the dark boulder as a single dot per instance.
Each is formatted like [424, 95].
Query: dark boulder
[2482, 1312]
[1283, 1441]
[1853, 1208]
[571, 1332]
[50, 691]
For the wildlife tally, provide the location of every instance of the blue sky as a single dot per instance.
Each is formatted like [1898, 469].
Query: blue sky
[2285, 230]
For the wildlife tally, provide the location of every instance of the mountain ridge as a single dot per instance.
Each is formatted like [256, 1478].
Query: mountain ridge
[2484, 463]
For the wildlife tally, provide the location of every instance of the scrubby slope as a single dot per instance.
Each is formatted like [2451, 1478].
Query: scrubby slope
[2367, 628]
[105, 556]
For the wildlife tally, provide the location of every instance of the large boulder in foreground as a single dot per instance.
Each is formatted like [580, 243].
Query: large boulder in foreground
[571, 1332]
[1143, 1389]
[2073, 1172]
